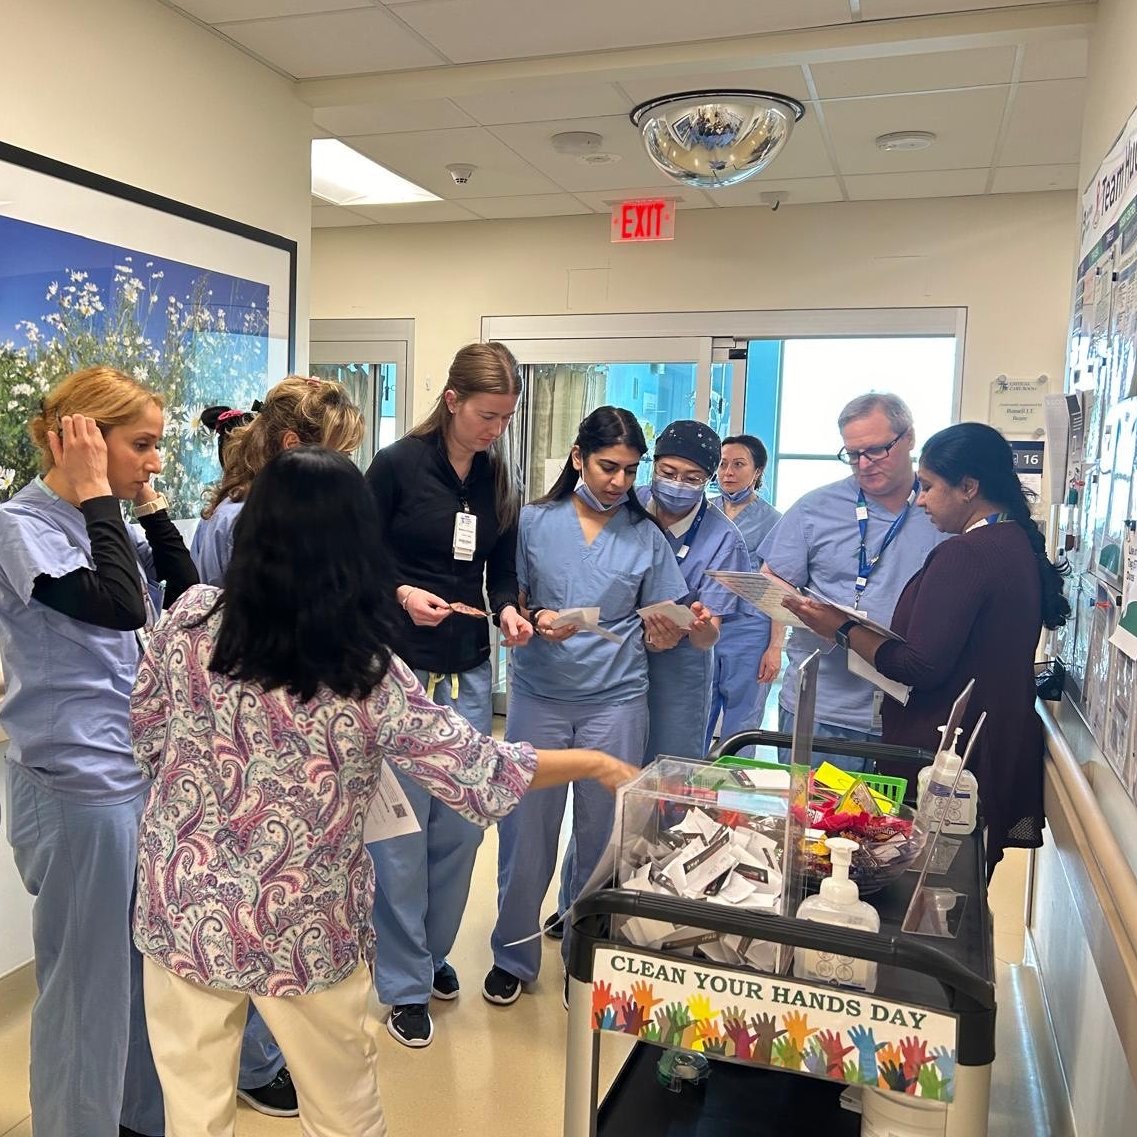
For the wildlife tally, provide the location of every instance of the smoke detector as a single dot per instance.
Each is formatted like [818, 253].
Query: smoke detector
[577, 143]
[460, 172]
[900, 140]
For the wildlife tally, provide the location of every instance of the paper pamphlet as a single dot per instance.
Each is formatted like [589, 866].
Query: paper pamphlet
[390, 814]
[865, 670]
[762, 591]
[856, 614]
[676, 613]
[586, 620]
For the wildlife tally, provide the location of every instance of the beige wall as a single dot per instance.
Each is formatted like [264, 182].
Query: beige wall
[132, 90]
[1006, 258]
[1111, 92]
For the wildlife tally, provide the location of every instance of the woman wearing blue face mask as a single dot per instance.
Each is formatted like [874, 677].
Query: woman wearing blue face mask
[744, 669]
[588, 543]
[681, 663]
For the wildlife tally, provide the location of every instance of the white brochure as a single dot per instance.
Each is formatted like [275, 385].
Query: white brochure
[390, 814]
[586, 620]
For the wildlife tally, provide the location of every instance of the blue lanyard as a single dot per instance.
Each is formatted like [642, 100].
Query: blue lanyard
[867, 564]
[688, 538]
[990, 519]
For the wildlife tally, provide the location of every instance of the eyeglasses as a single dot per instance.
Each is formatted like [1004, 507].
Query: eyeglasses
[669, 472]
[872, 453]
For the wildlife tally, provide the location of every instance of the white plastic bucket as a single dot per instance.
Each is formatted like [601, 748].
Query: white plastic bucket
[887, 1114]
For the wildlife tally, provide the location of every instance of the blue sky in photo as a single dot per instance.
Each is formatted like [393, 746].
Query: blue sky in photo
[33, 256]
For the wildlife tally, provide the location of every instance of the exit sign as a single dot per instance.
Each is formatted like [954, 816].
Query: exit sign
[649, 219]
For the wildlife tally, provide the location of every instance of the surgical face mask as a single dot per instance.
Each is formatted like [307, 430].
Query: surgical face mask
[592, 501]
[675, 497]
[738, 496]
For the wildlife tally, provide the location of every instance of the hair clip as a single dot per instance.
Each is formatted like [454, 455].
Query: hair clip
[312, 381]
[225, 416]
[257, 406]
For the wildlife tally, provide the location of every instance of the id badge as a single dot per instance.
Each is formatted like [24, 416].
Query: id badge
[877, 706]
[465, 535]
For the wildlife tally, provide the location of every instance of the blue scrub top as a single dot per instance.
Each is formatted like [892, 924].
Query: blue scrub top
[67, 707]
[754, 522]
[212, 547]
[628, 566]
[816, 543]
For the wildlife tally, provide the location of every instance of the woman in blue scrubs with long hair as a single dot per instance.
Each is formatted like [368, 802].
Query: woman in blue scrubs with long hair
[588, 543]
[743, 675]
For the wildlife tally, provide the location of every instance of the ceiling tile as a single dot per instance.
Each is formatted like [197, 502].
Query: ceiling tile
[539, 100]
[1046, 124]
[685, 197]
[1058, 59]
[888, 9]
[532, 142]
[470, 30]
[415, 212]
[533, 205]
[1028, 179]
[935, 71]
[331, 217]
[966, 125]
[924, 183]
[337, 43]
[391, 118]
[797, 191]
[423, 158]
[780, 80]
[218, 11]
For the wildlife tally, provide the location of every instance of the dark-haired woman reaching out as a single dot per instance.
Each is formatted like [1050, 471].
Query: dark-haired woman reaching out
[975, 610]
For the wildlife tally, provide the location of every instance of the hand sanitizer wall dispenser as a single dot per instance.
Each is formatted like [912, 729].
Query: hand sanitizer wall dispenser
[839, 903]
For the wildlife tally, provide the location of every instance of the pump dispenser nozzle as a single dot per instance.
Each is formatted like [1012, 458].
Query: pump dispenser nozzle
[838, 887]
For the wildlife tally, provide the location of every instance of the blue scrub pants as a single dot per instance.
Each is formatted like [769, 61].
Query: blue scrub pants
[679, 702]
[422, 880]
[736, 693]
[826, 730]
[91, 1068]
[527, 837]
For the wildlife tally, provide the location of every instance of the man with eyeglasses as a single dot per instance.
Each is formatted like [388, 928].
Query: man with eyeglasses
[857, 542]
[681, 662]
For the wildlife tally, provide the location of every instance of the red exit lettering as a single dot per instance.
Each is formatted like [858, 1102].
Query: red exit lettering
[646, 220]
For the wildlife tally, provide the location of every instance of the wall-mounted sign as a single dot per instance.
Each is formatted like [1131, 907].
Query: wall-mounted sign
[648, 219]
[1017, 405]
[1028, 463]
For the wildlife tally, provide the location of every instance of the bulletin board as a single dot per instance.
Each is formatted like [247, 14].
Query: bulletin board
[1097, 516]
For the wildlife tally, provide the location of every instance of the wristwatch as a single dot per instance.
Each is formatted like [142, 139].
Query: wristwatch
[154, 505]
[841, 635]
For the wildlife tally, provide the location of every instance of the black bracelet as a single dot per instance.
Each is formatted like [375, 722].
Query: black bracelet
[534, 613]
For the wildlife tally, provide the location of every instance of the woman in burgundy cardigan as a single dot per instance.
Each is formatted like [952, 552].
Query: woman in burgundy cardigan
[975, 610]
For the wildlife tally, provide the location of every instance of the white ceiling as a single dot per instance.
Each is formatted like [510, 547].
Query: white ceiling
[419, 84]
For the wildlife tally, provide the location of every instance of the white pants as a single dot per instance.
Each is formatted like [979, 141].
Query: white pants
[329, 1040]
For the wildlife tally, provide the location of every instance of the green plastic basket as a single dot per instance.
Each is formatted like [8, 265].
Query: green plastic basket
[891, 788]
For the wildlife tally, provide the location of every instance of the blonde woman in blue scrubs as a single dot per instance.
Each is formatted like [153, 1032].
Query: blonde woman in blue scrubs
[587, 543]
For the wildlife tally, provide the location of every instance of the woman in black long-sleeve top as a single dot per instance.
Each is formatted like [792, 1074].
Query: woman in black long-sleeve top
[78, 589]
[449, 499]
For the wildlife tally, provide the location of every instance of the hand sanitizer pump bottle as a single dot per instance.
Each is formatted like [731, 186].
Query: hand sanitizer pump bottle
[838, 902]
[935, 797]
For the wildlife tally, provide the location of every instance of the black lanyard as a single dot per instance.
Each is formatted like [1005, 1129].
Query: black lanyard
[867, 564]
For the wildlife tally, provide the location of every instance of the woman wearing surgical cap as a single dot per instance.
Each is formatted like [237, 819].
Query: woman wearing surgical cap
[681, 661]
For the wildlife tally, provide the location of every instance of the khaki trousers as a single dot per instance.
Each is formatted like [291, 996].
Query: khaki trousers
[329, 1040]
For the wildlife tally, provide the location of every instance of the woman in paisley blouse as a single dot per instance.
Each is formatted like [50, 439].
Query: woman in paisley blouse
[265, 714]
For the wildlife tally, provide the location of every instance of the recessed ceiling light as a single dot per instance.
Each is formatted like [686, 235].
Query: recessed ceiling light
[343, 176]
[906, 140]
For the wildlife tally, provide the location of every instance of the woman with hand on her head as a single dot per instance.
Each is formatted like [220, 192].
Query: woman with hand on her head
[264, 713]
[975, 610]
[298, 411]
[587, 543]
[744, 664]
[449, 497]
[78, 589]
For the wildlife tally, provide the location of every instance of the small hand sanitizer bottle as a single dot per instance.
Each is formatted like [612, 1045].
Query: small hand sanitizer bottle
[934, 795]
[838, 902]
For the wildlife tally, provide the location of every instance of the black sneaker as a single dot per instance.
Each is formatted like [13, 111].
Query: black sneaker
[410, 1024]
[277, 1099]
[554, 928]
[500, 987]
[445, 985]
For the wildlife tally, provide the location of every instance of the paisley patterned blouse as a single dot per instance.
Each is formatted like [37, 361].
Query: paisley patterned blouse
[252, 873]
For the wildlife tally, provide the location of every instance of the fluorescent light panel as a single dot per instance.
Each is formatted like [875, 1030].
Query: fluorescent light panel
[343, 176]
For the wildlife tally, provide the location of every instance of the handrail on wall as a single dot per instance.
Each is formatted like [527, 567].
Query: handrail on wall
[1108, 872]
